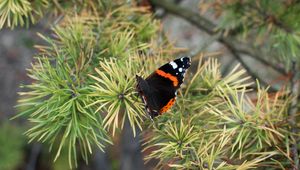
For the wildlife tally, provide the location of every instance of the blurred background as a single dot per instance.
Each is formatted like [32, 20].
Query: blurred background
[16, 54]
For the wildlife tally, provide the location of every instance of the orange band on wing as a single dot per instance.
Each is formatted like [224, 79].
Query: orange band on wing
[168, 76]
[167, 106]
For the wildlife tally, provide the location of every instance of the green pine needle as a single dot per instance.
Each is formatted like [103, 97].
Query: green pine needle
[115, 94]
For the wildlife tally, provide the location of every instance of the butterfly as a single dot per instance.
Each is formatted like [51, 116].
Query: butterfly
[159, 90]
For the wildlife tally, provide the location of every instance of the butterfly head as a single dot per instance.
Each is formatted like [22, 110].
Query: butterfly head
[186, 62]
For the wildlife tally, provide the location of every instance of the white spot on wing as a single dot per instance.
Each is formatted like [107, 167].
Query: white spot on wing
[181, 59]
[173, 64]
[148, 110]
[180, 69]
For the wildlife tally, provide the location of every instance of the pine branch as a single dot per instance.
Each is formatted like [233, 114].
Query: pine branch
[71, 103]
[206, 25]
[21, 13]
[295, 85]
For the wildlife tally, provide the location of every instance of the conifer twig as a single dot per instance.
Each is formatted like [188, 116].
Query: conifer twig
[207, 26]
[295, 85]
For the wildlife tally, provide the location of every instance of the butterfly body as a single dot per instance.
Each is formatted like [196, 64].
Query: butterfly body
[158, 91]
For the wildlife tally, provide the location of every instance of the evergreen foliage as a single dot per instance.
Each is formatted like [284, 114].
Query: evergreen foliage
[268, 24]
[74, 100]
[20, 12]
[223, 129]
[83, 85]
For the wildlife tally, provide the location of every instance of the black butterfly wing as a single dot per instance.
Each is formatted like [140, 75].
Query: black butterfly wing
[158, 91]
[147, 94]
[173, 71]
